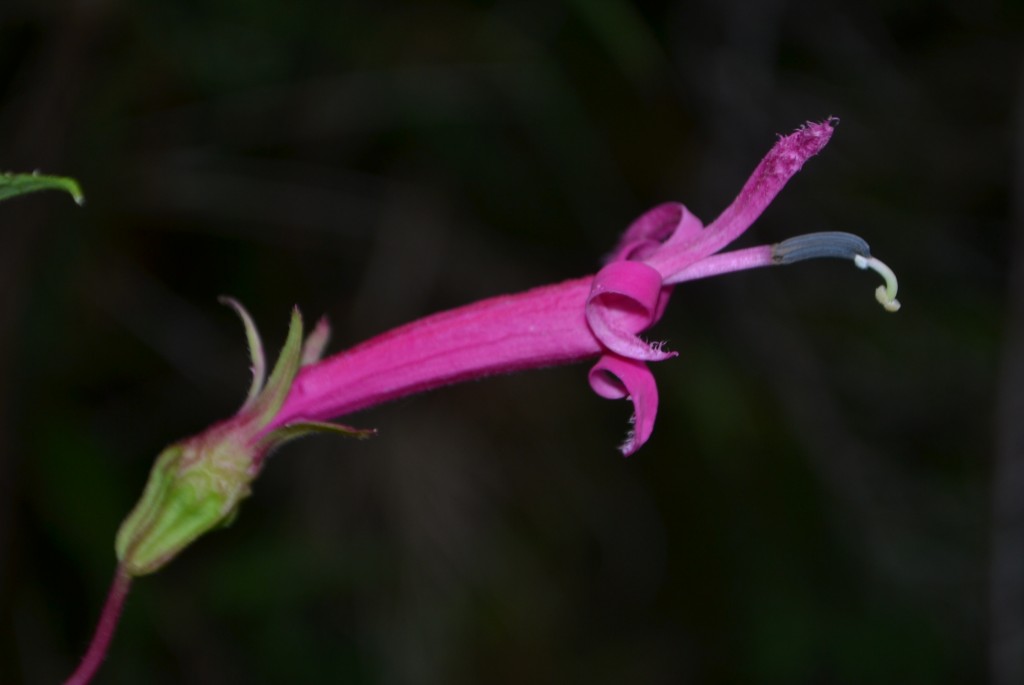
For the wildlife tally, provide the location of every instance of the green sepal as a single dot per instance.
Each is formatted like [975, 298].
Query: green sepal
[252, 337]
[301, 428]
[12, 185]
[279, 384]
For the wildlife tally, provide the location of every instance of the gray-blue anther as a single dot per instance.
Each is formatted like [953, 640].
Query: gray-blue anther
[836, 244]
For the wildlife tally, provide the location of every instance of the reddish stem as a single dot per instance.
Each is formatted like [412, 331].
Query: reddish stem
[104, 630]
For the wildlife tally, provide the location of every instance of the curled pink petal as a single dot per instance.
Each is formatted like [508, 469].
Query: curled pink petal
[623, 301]
[668, 222]
[785, 158]
[614, 378]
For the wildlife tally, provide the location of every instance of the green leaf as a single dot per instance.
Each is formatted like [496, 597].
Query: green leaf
[12, 185]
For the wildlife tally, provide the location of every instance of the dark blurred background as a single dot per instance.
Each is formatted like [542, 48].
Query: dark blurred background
[832, 494]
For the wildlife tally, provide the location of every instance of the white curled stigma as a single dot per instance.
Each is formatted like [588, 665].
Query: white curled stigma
[885, 294]
[839, 245]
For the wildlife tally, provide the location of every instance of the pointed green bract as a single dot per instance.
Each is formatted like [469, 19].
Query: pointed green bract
[280, 381]
[12, 185]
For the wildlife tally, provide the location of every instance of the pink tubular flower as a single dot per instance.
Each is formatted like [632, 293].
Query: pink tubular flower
[595, 316]
[198, 483]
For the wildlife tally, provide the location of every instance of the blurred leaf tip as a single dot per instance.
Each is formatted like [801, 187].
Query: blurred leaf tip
[14, 184]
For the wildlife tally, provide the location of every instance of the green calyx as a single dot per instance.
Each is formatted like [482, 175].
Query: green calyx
[197, 485]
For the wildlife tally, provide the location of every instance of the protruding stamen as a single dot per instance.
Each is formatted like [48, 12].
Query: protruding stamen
[841, 246]
[834, 244]
[885, 294]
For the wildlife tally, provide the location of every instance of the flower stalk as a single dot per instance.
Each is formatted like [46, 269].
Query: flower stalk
[198, 483]
[104, 633]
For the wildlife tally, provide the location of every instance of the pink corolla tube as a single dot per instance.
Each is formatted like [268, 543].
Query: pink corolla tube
[596, 316]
